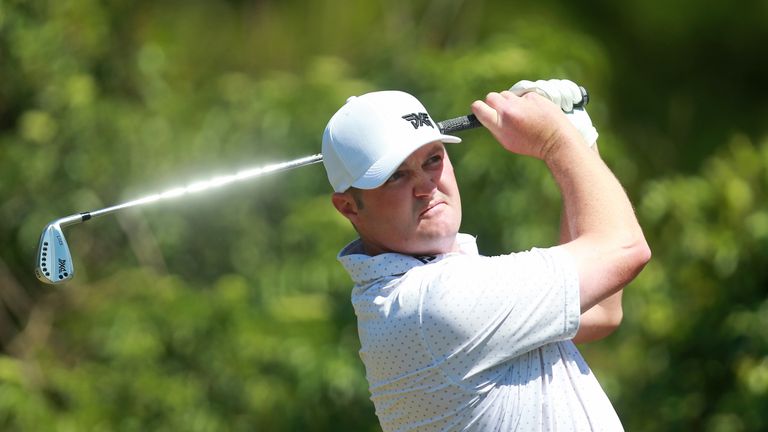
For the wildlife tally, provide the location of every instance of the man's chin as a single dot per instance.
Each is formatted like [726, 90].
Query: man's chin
[442, 245]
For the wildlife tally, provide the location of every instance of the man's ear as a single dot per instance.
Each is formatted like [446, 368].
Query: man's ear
[345, 204]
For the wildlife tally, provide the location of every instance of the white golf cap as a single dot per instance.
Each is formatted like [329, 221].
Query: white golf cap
[371, 135]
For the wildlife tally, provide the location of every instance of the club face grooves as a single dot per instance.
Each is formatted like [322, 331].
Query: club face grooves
[54, 261]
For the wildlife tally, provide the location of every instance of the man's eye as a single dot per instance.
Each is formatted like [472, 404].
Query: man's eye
[396, 175]
[436, 159]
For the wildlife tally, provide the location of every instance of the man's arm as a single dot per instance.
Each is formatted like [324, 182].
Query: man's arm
[607, 242]
[603, 318]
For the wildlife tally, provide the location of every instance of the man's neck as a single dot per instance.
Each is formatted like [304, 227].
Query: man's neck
[372, 249]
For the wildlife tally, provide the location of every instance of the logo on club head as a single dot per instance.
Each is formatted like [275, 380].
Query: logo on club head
[62, 265]
[418, 120]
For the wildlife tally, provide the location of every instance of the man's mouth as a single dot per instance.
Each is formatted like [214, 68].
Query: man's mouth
[430, 207]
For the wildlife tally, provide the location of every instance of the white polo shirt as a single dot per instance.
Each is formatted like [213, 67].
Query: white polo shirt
[463, 342]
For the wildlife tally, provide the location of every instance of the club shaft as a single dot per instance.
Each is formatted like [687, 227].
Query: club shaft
[195, 187]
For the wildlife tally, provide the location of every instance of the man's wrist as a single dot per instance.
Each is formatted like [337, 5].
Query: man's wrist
[562, 144]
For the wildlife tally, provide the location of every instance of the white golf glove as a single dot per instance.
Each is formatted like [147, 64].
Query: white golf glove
[564, 93]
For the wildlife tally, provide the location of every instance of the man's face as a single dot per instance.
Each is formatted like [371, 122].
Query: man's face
[416, 212]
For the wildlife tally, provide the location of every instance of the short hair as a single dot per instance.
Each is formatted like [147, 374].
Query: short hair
[357, 196]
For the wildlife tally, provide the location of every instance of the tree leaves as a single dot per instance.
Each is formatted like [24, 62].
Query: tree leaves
[228, 311]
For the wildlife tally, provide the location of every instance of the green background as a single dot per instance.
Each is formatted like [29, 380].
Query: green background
[227, 311]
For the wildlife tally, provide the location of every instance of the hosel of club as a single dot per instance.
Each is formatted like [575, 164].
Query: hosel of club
[54, 261]
[72, 220]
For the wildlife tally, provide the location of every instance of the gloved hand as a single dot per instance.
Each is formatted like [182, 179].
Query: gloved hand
[565, 94]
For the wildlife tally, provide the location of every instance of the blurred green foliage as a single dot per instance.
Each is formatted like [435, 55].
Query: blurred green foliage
[228, 311]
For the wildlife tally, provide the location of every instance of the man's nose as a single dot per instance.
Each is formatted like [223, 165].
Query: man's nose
[425, 184]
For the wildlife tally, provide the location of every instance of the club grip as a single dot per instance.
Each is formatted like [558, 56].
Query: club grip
[459, 124]
[470, 121]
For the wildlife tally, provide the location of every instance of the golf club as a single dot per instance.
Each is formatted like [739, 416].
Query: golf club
[54, 259]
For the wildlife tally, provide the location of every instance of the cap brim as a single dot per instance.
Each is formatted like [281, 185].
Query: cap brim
[380, 171]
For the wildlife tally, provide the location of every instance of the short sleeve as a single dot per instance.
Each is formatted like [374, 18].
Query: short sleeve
[482, 311]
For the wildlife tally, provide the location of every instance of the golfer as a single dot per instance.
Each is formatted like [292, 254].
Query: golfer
[456, 341]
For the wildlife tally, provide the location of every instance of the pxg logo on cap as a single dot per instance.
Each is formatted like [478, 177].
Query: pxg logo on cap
[418, 119]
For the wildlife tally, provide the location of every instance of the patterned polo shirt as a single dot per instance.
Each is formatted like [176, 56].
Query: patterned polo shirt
[464, 342]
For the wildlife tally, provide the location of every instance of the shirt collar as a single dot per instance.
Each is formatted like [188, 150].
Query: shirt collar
[364, 268]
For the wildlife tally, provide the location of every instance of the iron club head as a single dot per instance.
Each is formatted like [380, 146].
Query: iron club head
[54, 260]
